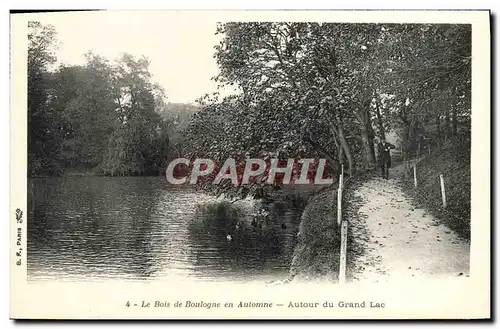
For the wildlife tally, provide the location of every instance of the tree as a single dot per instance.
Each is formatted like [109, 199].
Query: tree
[43, 133]
[313, 88]
[84, 97]
[177, 117]
[100, 116]
[429, 74]
[275, 61]
[139, 141]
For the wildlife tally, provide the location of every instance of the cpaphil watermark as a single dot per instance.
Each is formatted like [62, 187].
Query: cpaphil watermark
[248, 171]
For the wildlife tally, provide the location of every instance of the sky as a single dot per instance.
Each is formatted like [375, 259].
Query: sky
[179, 46]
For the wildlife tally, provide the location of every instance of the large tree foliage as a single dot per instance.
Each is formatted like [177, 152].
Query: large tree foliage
[310, 89]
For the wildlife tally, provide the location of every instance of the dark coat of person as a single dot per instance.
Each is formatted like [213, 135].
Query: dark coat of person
[384, 153]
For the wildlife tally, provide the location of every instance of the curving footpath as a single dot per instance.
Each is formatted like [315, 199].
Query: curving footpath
[399, 241]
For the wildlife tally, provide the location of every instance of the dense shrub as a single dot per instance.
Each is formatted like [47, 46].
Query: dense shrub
[222, 214]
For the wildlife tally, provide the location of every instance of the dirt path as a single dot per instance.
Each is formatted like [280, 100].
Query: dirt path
[400, 241]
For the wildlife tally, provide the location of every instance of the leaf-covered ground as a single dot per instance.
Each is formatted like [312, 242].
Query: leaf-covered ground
[394, 240]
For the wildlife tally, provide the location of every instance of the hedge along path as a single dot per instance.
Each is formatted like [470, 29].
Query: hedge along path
[400, 241]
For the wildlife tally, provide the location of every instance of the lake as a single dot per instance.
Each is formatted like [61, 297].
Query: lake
[140, 228]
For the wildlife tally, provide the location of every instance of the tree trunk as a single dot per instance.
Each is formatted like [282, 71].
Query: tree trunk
[346, 149]
[341, 155]
[454, 123]
[340, 151]
[447, 124]
[372, 146]
[363, 116]
[365, 138]
[454, 109]
[338, 131]
[320, 149]
[379, 118]
[438, 131]
[406, 139]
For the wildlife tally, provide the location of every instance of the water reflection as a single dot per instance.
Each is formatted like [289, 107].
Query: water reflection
[86, 228]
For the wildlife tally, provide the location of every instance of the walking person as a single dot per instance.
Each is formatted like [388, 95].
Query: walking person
[384, 157]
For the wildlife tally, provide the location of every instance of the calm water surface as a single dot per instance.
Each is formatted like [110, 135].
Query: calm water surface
[137, 228]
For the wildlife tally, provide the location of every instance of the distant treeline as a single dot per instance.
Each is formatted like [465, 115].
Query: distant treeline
[101, 117]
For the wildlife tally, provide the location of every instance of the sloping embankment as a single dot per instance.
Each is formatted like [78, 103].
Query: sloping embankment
[316, 255]
[454, 164]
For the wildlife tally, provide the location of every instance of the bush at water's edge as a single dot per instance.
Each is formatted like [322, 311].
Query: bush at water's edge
[220, 213]
[218, 218]
[316, 254]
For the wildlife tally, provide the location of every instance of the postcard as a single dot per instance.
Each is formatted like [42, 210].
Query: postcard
[220, 164]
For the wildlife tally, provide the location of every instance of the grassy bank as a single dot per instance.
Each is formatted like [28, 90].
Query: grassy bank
[454, 163]
[316, 255]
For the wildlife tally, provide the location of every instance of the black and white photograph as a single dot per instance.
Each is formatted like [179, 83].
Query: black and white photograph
[282, 152]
